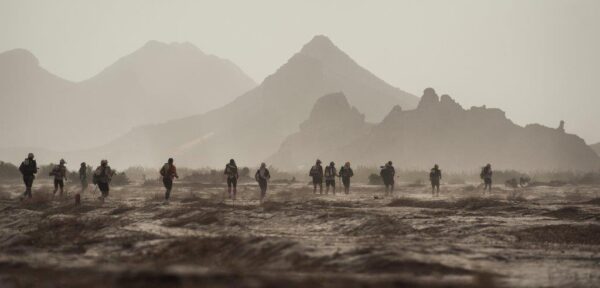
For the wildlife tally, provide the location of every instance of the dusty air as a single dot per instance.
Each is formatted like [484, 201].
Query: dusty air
[299, 144]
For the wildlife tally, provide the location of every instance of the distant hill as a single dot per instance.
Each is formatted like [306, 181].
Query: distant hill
[253, 126]
[596, 148]
[326, 130]
[438, 131]
[154, 84]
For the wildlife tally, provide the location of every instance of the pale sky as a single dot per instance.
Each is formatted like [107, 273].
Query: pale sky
[537, 60]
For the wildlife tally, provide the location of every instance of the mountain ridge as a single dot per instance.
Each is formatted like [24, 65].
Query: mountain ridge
[261, 118]
[440, 131]
[153, 84]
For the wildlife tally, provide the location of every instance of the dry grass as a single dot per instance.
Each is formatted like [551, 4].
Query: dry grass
[570, 213]
[380, 225]
[470, 203]
[595, 201]
[562, 234]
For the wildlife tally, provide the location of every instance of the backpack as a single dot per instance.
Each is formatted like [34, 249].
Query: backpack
[55, 171]
[314, 171]
[328, 171]
[163, 170]
[231, 171]
[28, 167]
[435, 174]
[384, 172]
[484, 172]
[98, 176]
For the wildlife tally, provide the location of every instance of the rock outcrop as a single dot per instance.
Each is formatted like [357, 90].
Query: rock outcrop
[332, 124]
[596, 148]
[441, 131]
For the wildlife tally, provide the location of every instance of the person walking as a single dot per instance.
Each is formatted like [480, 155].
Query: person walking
[102, 177]
[346, 173]
[387, 175]
[316, 172]
[231, 171]
[486, 175]
[28, 169]
[168, 172]
[83, 180]
[435, 176]
[60, 176]
[262, 176]
[330, 174]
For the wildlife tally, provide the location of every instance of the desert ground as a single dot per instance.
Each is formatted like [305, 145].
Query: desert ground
[533, 237]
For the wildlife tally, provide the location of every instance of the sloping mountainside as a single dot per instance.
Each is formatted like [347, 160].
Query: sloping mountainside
[333, 123]
[156, 83]
[596, 148]
[32, 101]
[441, 131]
[253, 126]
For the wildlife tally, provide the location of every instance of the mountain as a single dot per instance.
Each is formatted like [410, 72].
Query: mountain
[440, 131]
[162, 81]
[596, 148]
[30, 100]
[326, 130]
[156, 83]
[253, 126]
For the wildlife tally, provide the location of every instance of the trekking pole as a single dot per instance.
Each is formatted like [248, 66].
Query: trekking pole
[95, 188]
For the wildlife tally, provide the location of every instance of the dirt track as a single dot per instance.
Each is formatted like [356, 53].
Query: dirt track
[542, 237]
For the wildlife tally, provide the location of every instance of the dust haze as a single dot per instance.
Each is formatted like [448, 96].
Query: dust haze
[299, 143]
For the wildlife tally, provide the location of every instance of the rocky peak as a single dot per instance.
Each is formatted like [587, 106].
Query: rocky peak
[561, 126]
[330, 110]
[330, 104]
[448, 103]
[429, 99]
[323, 49]
[319, 44]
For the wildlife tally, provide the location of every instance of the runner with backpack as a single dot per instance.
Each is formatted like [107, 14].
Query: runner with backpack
[387, 175]
[346, 173]
[486, 175]
[102, 177]
[330, 174]
[83, 179]
[231, 171]
[60, 176]
[262, 176]
[435, 175]
[168, 172]
[316, 172]
[28, 169]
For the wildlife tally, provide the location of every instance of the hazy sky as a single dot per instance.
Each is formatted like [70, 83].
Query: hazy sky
[537, 60]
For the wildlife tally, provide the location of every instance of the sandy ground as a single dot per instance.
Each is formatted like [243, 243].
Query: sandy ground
[540, 237]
